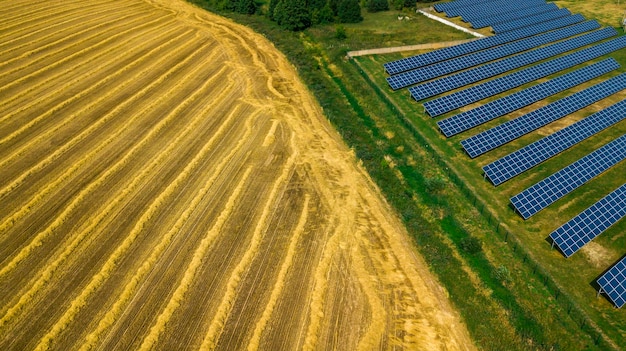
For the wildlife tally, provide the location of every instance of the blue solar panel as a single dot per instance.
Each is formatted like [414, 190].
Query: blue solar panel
[529, 21]
[514, 15]
[511, 130]
[590, 223]
[453, 11]
[491, 69]
[613, 283]
[559, 184]
[495, 8]
[531, 155]
[508, 104]
[459, 63]
[405, 64]
[496, 108]
[457, 4]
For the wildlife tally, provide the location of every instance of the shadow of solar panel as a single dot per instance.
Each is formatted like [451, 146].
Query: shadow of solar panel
[529, 21]
[613, 283]
[590, 223]
[511, 130]
[561, 183]
[496, 108]
[496, 9]
[405, 64]
[457, 80]
[531, 155]
[459, 63]
[514, 15]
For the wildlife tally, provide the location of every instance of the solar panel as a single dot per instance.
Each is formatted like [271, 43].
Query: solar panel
[528, 21]
[454, 11]
[405, 64]
[458, 3]
[502, 106]
[511, 130]
[531, 155]
[559, 184]
[514, 15]
[491, 69]
[495, 8]
[496, 108]
[590, 223]
[613, 283]
[456, 64]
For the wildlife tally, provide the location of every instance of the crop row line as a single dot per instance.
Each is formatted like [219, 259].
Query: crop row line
[80, 77]
[85, 20]
[74, 55]
[90, 226]
[109, 266]
[130, 289]
[217, 324]
[101, 122]
[39, 238]
[255, 341]
[20, 19]
[189, 275]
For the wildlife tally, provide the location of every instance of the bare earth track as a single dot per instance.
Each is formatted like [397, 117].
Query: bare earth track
[168, 183]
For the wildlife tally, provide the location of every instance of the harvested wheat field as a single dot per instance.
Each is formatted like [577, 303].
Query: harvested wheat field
[168, 183]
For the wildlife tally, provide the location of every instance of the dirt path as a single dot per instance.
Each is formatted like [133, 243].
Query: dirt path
[187, 193]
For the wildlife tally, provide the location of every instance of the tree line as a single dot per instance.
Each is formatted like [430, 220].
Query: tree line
[297, 15]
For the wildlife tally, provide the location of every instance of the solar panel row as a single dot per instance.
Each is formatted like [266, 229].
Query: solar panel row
[493, 87]
[590, 223]
[529, 21]
[476, 6]
[531, 155]
[497, 108]
[458, 3]
[517, 14]
[561, 183]
[459, 63]
[495, 8]
[613, 283]
[491, 69]
[405, 64]
[511, 130]
[473, 14]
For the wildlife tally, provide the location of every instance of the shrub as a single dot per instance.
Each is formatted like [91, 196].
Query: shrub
[340, 33]
[471, 245]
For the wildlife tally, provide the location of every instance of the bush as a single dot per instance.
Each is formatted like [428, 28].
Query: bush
[435, 185]
[471, 245]
[377, 5]
[340, 33]
[503, 275]
[349, 11]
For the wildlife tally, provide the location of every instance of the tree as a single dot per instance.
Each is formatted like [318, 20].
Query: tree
[377, 5]
[271, 8]
[317, 4]
[334, 6]
[400, 4]
[278, 15]
[292, 14]
[247, 7]
[322, 16]
[349, 11]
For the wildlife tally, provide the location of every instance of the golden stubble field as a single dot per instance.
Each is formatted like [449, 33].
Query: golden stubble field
[167, 182]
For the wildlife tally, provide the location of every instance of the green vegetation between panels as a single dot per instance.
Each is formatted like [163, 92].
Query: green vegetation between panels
[513, 291]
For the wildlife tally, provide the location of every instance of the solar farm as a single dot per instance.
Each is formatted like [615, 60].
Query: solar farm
[536, 109]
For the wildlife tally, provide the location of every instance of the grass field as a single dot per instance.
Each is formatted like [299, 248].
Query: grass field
[167, 182]
[574, 276]
[515, 294]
